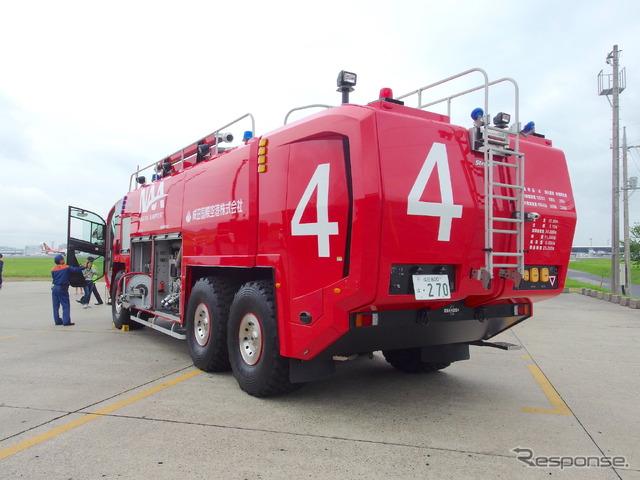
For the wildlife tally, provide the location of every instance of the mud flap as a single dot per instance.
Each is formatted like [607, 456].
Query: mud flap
[308, 370]
[446, 353]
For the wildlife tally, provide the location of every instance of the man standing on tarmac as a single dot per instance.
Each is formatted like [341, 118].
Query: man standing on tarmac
[1, 265]
[60, 290]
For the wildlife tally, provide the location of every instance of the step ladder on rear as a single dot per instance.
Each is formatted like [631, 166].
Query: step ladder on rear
[504, 202]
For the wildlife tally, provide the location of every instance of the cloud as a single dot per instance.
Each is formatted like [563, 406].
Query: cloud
[13, 125]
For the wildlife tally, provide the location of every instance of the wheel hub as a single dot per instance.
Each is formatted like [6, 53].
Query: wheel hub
[118, 305]
[202, 325]
[250, 339]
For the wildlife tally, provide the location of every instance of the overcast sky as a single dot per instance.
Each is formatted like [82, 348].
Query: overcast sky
[90, 90]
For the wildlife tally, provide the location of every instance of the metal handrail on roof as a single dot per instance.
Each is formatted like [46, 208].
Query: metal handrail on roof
[315, 105]
[215, 134]
[485, 85]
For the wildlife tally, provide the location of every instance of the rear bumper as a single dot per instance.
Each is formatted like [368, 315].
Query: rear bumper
[455, 323]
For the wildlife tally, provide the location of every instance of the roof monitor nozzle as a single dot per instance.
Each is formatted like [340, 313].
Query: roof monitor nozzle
[166, 167]
[346, 82]
[224, 137]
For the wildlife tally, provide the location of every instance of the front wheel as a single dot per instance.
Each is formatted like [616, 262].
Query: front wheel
[120, 315]
[254, 350]
[410, 360]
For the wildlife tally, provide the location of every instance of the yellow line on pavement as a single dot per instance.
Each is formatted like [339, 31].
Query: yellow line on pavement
[15, 336]
[559, 407]
[92, 416]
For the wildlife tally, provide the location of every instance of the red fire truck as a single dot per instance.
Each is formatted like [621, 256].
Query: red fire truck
[360, 228]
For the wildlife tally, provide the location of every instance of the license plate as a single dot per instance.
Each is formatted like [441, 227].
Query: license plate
[431, 287]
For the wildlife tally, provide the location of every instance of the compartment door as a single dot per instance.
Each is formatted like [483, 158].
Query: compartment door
[318, 213]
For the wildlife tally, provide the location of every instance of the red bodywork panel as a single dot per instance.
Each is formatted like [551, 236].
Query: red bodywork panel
[345, 195]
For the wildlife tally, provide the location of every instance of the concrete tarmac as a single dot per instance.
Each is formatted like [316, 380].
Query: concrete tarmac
[91, 402]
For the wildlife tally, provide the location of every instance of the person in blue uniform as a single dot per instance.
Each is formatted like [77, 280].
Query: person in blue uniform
[60, 291]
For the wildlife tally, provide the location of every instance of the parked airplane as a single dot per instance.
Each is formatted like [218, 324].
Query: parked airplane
[51, 251]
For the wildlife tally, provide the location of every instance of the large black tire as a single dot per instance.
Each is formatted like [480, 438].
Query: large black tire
[206, 324]
[121, 316]
[410, 360]
[253, 344]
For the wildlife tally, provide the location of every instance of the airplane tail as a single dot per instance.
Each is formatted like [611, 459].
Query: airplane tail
[46, 249]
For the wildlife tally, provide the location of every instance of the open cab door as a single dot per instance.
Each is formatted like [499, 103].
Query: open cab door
[85, 237]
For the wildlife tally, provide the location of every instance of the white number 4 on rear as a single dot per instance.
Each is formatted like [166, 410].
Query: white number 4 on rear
[446, 210]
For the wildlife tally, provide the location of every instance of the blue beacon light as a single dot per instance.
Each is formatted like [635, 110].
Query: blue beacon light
[477, 113]
[529, 127]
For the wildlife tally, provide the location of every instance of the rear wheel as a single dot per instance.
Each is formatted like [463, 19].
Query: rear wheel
[410, 360]
[253, 344]
[206, 324]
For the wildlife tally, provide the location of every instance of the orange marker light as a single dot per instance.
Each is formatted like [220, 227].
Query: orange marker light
[366, 319]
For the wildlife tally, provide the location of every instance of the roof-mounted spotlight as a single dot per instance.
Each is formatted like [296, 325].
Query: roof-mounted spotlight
[501, 120]
[346, 81]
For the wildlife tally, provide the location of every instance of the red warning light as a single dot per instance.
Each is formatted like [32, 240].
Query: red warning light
[386, 93]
